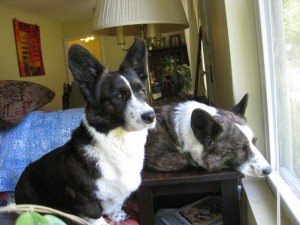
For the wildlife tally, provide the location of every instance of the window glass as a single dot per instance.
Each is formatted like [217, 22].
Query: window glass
[285, 36]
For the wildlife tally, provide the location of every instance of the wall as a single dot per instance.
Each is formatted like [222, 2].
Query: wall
[234, 51]
[217, 53]
[242, 36]
[52, 50]
[76, 29]
[113, 54]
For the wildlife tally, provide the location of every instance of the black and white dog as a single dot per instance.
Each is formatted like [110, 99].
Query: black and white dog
[93, 173]
[195, 134]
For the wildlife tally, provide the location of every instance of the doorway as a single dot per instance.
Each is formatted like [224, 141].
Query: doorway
[91, 43]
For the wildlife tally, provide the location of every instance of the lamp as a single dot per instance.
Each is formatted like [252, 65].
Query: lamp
[146, 18]
[127, 17]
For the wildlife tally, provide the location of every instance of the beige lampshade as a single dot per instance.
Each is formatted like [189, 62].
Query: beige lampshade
[109, 14]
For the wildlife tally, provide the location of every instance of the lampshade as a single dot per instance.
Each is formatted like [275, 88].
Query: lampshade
[109, 14]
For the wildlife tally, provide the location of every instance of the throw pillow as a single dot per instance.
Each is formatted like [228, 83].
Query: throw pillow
[19, 98]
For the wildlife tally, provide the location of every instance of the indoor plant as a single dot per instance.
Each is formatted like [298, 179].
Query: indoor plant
[174, 73]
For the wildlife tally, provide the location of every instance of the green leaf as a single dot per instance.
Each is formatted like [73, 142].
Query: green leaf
[53, 220]
[31, 218]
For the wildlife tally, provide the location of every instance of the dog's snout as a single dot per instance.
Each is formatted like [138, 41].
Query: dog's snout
[148, 117]
[267, 170]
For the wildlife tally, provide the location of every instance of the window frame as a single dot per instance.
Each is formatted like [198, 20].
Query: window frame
[286, 198]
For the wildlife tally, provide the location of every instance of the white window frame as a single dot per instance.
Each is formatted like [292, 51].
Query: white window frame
[285, 196]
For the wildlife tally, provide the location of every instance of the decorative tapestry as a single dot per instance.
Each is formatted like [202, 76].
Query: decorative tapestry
[28, 49]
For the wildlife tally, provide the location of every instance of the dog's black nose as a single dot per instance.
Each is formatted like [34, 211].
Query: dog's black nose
[267, 170]
[148, 117]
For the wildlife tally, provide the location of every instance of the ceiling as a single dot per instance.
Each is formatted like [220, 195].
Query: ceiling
[62, 11]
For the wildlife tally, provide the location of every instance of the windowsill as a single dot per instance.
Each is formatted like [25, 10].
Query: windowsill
[262, 202]
[288, 200]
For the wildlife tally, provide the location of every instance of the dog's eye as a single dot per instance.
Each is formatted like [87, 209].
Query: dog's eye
[118, 97]
[142, 93]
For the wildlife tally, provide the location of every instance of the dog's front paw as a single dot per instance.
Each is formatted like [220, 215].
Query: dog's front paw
[118, 216]
[100, 221]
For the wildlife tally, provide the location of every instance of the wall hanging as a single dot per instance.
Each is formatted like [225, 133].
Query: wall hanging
[29, 50]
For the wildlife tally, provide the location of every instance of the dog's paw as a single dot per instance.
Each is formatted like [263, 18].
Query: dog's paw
[100, 221]
[118, 216]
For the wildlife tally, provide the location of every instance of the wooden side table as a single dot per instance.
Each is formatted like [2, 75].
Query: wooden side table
[192, 180]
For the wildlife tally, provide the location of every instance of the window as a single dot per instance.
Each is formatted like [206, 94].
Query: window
[280, 51]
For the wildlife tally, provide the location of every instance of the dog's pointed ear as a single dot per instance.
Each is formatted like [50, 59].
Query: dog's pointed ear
[86, 70]
[240, 108]
[204, 126]
[136, 59]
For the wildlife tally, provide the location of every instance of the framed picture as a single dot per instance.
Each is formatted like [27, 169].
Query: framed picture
[175, 40]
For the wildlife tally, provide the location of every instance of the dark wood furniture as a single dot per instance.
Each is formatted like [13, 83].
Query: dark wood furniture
[193, 180]
[156, 56]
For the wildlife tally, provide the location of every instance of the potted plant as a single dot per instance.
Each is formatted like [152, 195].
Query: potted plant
[175, 75]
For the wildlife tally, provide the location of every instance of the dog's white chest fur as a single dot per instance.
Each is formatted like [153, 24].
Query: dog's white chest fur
[120, 156]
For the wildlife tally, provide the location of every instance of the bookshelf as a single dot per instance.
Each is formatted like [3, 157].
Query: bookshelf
[155, 58]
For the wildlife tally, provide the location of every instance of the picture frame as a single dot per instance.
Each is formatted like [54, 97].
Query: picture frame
[175, 40]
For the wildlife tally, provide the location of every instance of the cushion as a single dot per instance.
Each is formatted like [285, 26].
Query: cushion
[19, 98]
[39, 133]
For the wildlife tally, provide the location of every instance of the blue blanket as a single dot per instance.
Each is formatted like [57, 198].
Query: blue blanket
[39, 133]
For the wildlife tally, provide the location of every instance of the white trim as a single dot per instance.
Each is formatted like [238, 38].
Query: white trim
[259, 197]
[289, 201]
[262, 202]
[265, 52]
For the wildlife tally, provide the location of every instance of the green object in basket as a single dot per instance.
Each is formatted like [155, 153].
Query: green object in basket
[53, 220]
[33, 218]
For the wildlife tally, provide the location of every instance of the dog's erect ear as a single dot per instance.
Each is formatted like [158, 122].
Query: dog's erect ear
[240, 108]
[136, 59]
[86, 70]
[204, 126]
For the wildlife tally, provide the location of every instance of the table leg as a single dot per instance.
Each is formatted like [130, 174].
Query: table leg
[145, 206]
[230, 202]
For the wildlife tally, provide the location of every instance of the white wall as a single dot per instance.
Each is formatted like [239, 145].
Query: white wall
[242, 36]
[234, 52]
[113, 55]
[217, 53]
